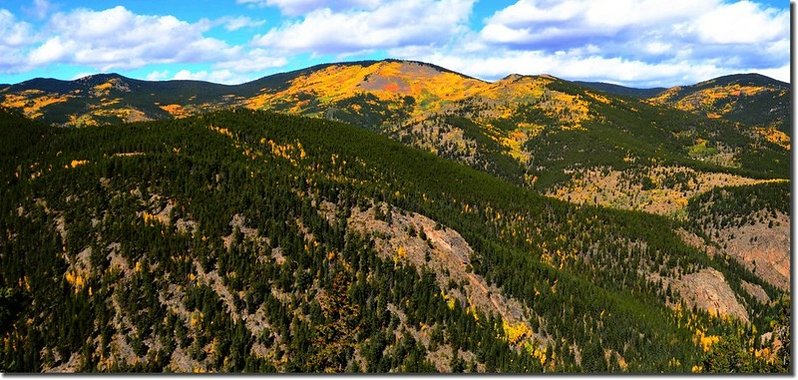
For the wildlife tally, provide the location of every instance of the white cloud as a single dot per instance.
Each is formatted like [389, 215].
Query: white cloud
[13, 33]
[641, 43]
[743, 22]
[570, 66]
[393, 24]
[240, 22]
[14, 36]
[53, 50]
[214, 76]
[300, 7]
[41, 8]
[571, 21]
[658, 47]
[253, 60]
[80, 75]
[117, 38]
[633, 42]
[780, 73]
[158, 75]
[573, 65]
[634, 26]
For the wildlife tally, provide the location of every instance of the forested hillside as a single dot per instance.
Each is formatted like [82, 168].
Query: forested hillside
[562, 139]
[253, 241]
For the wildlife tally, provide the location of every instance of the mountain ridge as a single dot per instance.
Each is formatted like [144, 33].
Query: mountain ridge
[344, 63]
[388, 216]
[531, 130]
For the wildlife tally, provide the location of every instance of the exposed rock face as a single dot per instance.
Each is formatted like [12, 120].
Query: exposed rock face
[762, 249]
[695, 241]
[757, 292]
[444, 252]
[707, 289]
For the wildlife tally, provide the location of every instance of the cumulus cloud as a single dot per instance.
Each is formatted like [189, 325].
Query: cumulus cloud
[637, 29]
[40, 8]
[301, 7]
[633, 42]
[574, 66]
[235, 71]
[240, 22]
[393, 24]
[223, 76]
[14, 36]
[13, 32]
[253, 60]
[743, 22]
[118, 38]
[158, 75]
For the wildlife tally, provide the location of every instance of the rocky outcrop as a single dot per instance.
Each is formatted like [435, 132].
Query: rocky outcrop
[762, 247]
[422, 242]
[708, 290]
[696, 242]
[757, 292]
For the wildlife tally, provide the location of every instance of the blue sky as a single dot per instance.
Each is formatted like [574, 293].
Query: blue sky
[640, 43]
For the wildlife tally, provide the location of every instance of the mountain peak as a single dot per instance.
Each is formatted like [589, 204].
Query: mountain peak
[749, 79]
[95, 79]
[100, 76]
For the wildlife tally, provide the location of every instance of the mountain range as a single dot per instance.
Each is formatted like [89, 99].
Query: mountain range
[395, 216]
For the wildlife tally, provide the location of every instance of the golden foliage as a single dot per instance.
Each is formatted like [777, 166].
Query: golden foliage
[76, 280]
[571, 109]
[388, 81]
[708, 100]
[126, 114]
[516, 139]
[703, 340]
[538, 353]
[102, 88]
[221, 131]
[76, 163]
[775, 136]
[598, 97]
[32, 101]
[84, 120]
[607, 187]
[195, 319]
[293, 152]
[175, 110]
[148, 217]
[401, 254]
[516, 332]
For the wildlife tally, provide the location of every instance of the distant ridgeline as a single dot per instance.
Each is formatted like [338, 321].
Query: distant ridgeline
[420, 221]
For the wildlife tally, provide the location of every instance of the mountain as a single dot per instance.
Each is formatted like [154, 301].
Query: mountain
[514, 127]
[557, 137]
[110, 98]
[253, 241]
[752, 99]
[538, 131]
[615, 89]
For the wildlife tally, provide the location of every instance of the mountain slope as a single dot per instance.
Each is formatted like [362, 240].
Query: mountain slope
[752, 99]
[615, 89]
[253, 241]
[537, 131]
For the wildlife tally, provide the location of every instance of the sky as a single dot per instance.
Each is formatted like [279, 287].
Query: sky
[639, 43]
